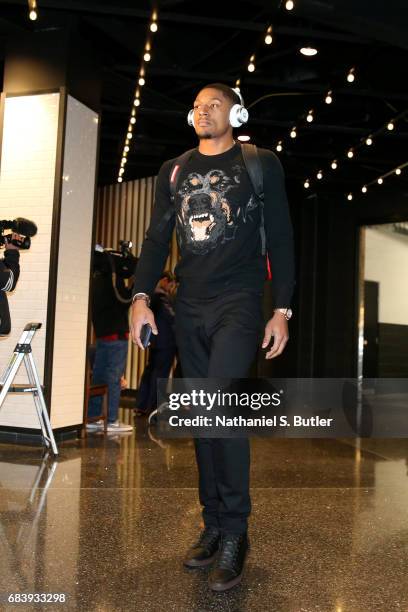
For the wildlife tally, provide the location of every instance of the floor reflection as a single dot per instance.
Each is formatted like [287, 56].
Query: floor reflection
[107, 524]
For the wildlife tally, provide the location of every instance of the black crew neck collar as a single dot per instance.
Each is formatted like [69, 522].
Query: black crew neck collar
[218, 156]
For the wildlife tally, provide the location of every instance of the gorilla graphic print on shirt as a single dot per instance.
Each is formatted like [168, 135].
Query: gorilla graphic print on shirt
[207, 217]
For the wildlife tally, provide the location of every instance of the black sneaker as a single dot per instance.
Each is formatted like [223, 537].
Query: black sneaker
[229, 566]
[205, 549]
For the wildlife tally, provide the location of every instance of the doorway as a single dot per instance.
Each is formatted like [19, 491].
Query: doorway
[383, 300]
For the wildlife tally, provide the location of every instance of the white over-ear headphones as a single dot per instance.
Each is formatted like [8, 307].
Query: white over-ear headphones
[238, 113]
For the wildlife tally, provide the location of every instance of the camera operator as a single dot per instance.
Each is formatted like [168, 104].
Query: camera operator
[9, 273]
[111, 297]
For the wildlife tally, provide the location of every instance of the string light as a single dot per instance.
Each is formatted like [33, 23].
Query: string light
[319, 175]
[398, 171]
[390, 126]
[351, 75]
[380, 181]
[329, 97]
[289, 5]
[251, 65]
[293, 133]
[309, 117]
[350, 196]
[32, 10]
[153, 26]
[369, 141]
[268, 37]
[364, 189]
[334, 164]
[279, 146]
[147, 56]
[306, 184]
[350, 153]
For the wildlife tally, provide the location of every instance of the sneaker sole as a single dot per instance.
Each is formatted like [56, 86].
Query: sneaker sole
[194, 563]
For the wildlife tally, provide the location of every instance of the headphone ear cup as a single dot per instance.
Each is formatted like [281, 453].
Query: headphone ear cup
[238, 115]
[190, 118]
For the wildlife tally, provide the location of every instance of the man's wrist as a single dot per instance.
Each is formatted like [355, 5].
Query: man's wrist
[286, 312]
[141, 296]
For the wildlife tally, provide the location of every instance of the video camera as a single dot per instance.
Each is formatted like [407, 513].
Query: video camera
[21, 226]
[120, 262]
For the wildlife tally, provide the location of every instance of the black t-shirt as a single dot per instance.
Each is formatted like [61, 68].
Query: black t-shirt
[217, 223]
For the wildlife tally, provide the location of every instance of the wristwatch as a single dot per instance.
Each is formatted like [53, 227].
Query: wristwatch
[141, 296]
[287, 312]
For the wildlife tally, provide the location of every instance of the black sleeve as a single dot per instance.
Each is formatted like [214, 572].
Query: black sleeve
[9, 270]
[278, 230]
[156, 245]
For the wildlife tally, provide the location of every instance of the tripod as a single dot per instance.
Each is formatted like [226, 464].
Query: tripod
[23, 352]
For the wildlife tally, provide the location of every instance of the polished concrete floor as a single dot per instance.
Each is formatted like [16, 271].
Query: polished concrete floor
[108, 523]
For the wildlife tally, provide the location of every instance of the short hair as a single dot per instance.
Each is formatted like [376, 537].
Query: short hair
[226, 90]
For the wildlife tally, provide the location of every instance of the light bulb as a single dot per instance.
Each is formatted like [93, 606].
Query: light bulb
[129, 135]
[309, 117]
[306, 184]
[251, 67]
[380, 181]
[126, 149]
[308, 51]
[329, 98]
[147, 57]
[369, 141]
[136, 102]
[120, 179]
[279, 146]
[133, 120]
[268, 39]
[350, 196]
[293, 132]
[153, 27]
[351, 76]
[121, 171]
[334, 164]
[398, 171]
[319, 175]
[33, 15]
[141, 81]
[124, 160]
[390, 126]
[350, 153]
[289, 5]
[364, 189]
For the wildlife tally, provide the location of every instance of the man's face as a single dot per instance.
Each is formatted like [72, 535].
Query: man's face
[211, 114]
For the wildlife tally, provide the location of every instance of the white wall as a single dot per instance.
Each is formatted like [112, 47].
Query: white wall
[75, 247]
[27, 173]
[386, 262]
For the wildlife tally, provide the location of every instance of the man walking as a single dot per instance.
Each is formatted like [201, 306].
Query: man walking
[219, 321]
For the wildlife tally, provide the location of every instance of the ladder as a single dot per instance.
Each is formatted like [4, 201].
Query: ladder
[23, 352]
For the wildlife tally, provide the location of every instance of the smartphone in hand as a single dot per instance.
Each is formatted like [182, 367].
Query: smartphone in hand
[145, 334]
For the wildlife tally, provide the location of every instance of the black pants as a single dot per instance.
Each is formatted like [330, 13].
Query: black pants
[158, 366]
[218, 338]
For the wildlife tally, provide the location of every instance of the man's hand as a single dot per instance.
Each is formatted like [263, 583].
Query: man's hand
[9, 246]
[141, 314]
[278, 328]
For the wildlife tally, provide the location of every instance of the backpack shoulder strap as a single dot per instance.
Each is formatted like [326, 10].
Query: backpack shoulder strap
[254, 168]
[176, 168]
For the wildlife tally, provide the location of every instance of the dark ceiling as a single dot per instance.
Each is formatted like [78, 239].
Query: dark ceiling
[197, 43]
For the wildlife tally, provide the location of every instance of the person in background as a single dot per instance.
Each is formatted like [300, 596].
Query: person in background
[111, 297]
[162, 346]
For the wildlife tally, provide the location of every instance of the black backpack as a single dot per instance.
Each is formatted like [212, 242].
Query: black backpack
[254, 169]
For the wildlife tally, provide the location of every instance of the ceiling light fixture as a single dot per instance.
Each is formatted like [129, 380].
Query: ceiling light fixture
[351, 75]
[308, 51]
[268, 36]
